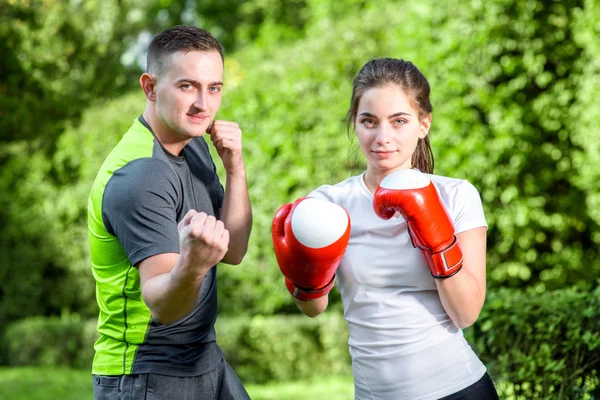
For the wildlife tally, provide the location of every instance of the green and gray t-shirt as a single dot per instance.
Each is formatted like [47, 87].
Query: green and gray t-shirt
[140, 194]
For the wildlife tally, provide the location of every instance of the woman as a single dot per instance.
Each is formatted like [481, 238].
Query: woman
[411, 253]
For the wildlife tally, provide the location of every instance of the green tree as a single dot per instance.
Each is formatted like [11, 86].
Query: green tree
[58, 58]
[514, 112]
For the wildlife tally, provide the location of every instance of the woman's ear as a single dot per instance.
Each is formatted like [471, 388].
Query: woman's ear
[148, 86]
[425, 125]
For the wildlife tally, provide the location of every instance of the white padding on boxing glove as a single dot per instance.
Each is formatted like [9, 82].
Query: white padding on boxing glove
[318, 223]
[407, 179]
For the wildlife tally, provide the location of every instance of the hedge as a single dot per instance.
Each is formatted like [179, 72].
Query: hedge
[547, 345]
[536, 346]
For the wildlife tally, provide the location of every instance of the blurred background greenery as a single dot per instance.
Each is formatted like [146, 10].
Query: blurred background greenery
[515, 96]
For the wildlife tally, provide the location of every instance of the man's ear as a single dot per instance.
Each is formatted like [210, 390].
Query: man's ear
[425, 125]
[148, 86]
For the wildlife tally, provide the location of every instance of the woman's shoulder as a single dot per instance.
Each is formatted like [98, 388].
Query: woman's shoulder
[455, 191]
[337, 191]
[450, 184]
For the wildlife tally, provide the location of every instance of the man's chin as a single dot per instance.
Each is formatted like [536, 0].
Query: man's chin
[195, 131]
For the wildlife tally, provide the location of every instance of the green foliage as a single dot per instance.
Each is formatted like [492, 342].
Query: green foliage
[65, 341]
[261, 349]
[501, 95]
[285, 348]
[546, 344]
[535, 345]
[58, 56]
[43, 243]
[516, 140]
[585, 113]
[34, 280]
[238, 23]
[514, 112]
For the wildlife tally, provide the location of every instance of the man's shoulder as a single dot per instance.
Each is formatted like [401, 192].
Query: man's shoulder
[131, 163]
[141, 177]
[146, 168]
[137, 142]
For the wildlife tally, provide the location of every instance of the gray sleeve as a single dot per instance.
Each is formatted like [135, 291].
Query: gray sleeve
[139, 207]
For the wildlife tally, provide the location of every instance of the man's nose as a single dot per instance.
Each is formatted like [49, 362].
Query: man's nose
[200, 101]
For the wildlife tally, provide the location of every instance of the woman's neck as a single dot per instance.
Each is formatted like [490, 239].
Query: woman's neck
[372, 180]
[372, 177]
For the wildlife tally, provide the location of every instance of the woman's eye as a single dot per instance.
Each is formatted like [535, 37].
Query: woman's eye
[399, 122]
[368, 122]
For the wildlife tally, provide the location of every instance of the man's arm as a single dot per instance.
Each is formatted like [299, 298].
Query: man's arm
[170, 281]
[167, 293]
[236, 212]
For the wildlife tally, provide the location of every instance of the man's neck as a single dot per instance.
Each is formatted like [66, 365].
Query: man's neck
[169, 140]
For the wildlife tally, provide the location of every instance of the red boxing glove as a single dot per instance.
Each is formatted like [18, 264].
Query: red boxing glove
[310, 238]
[412, 194]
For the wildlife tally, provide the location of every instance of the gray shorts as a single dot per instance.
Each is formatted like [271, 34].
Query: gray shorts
[221, 383]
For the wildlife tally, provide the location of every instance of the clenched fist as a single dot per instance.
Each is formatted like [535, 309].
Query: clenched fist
[203, 241]
[227, 139]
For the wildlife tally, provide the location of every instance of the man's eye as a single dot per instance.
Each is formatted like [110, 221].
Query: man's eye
[215, 89]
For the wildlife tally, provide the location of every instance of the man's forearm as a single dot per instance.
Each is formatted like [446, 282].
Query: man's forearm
[236, 214]
[170, 295]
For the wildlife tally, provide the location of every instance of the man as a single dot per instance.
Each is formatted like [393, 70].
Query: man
[159, 221]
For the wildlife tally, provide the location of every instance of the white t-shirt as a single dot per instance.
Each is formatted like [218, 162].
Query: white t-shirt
[402, 342]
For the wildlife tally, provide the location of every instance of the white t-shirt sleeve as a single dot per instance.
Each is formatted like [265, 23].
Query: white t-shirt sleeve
[467, 209]
[322, 192]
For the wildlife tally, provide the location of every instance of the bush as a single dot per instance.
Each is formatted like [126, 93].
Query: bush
[546, 344]
[536, 346]
[514, 94]
[66, 341]
[285, 348]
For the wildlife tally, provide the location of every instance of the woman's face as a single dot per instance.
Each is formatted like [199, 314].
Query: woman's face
[388, 128]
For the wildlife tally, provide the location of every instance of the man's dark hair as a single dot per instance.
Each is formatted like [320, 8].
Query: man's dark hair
[179, 38]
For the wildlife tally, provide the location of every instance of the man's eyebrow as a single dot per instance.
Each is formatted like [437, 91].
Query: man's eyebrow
[197, 83]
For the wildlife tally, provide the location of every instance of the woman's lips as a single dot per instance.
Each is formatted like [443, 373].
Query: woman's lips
[384, 153]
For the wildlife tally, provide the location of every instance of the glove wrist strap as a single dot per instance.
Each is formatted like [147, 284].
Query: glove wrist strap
[306, 294]
[445, 263]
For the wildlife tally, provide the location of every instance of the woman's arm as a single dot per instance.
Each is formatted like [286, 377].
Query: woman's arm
[312, 308]
[463, 294]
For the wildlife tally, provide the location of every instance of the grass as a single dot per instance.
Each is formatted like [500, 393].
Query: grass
[334, 388]
[29, 383]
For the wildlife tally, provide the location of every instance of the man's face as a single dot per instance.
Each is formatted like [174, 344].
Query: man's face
[188, 93]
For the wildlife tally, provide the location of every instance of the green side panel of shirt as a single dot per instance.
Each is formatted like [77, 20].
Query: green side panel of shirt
[123, 318]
